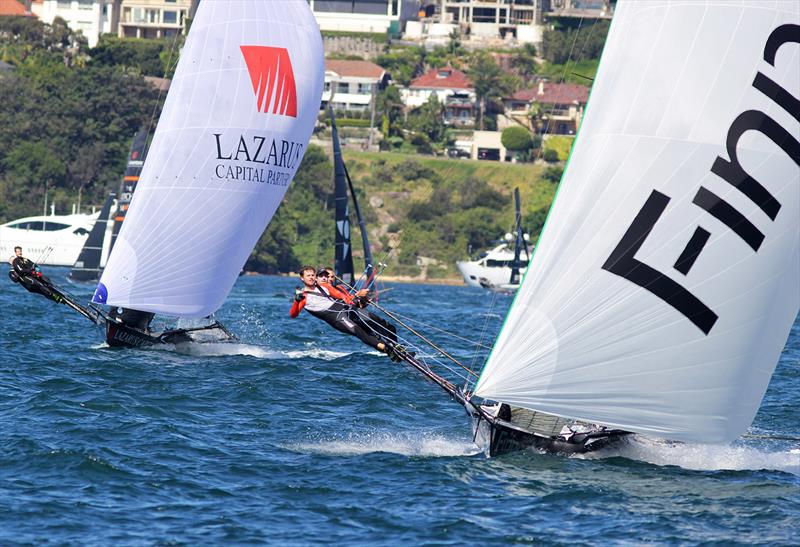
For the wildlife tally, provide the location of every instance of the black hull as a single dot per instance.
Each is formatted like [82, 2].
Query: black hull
[504, 439]
[497, 436]
[119, 335]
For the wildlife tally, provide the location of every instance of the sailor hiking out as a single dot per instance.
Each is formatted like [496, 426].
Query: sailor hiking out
[343, 311]
[25, 272]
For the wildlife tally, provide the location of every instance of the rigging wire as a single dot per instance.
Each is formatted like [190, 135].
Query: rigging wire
[425, 339]
[435, 328]
[414, 332]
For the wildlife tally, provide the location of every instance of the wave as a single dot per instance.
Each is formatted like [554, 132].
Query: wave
[222, 349]
[705, 457]
[406, 444]
[323, 354]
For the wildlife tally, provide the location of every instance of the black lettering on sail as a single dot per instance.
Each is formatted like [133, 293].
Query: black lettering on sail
[781, 35]
[692, 250]
[623, 262]
[732, 171]
[728, 215]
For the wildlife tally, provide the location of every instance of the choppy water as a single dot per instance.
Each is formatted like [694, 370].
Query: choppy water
[300, 435]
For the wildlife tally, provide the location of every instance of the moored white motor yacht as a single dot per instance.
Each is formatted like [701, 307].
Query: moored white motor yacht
[53, 240]
[492, 268]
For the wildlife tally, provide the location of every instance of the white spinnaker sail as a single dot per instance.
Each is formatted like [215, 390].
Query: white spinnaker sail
[234, 128]
[666, 281]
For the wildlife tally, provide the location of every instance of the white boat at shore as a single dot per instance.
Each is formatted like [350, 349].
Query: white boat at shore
[52, 240]
[492, 268]
[502, 268]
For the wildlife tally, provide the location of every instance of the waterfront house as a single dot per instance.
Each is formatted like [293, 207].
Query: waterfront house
[555, 108]
[350, 85]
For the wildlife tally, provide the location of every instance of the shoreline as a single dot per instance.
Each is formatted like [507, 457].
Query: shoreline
[452, 281]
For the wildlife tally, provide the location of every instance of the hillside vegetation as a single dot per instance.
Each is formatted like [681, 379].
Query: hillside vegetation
[415, 207]
[69, 113]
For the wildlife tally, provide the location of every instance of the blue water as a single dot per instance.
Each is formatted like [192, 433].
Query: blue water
[301, 435]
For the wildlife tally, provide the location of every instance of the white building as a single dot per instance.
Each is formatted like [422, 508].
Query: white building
[349, 85]
[359, 15]
[443, 82]
[91, 17]
[153, 18]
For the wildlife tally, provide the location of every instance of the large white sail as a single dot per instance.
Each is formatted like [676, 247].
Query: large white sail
[235, 125]
[668, 274]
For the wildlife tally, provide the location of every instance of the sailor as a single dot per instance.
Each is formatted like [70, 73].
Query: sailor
[340, 310]
[25, 272]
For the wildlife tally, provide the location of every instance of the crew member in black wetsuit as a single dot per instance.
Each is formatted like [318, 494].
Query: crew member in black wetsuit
[339, 310]
[366, 319]
[25, 272]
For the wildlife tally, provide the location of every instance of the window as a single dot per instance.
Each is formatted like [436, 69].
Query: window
[343, 87]
[38, 226]
[327, 86]
[85, 4]
[364, 89]
[170, 17]
[54, 226]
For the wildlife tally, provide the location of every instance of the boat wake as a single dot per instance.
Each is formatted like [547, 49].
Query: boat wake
[222, 349]
[317, 353]
[423, 444]
[705, 457]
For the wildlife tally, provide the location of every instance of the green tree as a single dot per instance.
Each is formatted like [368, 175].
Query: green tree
[490, 84]
[517, 139]
[427, 120]
[389, 105]
[403, 64]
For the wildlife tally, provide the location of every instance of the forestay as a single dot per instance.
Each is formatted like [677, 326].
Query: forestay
[233, 131]
[666, 280]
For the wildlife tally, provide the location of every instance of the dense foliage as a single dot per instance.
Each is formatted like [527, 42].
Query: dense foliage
[69, 114]
[65, 126]
[574, 44]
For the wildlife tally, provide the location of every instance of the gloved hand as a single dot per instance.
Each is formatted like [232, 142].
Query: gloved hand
[361, 301]
[298, 297]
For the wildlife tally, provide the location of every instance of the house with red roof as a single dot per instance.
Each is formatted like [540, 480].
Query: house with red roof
[13, 7]
[349, 85]
[452, 88]
[559, 107]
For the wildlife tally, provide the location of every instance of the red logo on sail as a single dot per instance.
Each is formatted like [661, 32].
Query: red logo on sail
[273, 79]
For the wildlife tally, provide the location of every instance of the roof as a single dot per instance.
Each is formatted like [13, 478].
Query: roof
[12, 7]
[550, 93]
[448, 78]
[355, 69]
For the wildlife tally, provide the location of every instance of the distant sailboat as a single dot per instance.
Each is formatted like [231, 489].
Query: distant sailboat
[235, 126]
[667, 277]
[343, 254]
[95, 251]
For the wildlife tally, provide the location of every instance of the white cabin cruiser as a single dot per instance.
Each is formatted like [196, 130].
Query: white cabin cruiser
[52, 240]
[492, 268]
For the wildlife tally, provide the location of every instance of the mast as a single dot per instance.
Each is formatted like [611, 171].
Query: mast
[87, 267]
[519, 241]
[343, 251]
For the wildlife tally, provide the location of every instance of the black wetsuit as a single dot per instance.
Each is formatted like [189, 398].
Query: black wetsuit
[367, 327]
[26, 274]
